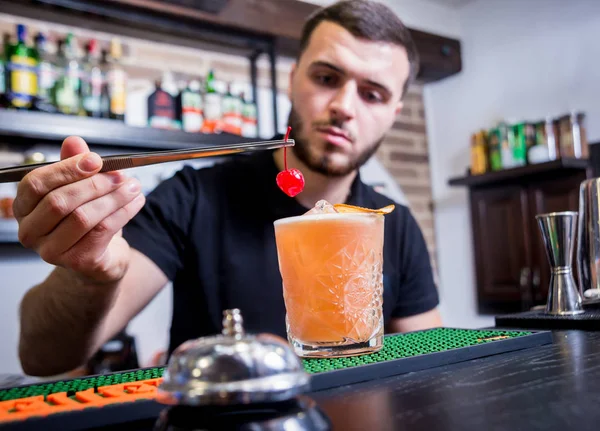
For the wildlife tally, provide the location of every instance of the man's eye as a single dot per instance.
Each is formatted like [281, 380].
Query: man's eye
[325, 80]
[372, 96]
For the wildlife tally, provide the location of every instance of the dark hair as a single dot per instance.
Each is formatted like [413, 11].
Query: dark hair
[368, 20]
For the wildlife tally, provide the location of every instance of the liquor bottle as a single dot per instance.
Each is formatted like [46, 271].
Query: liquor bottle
[212, 106]
[249, 118]
[92, 81]
[104, 96]
[162, 111]
[3, 65]
[189, 107]
[22, 72]
[67, 88]
[232, 113]
[44, 100]
[116, 81]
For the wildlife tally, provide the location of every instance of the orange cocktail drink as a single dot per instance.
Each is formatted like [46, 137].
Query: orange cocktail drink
[331, 268]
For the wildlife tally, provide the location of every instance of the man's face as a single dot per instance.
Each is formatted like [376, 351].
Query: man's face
[345, 95]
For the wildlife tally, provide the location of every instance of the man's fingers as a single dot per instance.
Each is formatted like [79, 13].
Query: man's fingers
[93, 252]
[59, 203]
[41, 181]
[72, 146]
[87, 217]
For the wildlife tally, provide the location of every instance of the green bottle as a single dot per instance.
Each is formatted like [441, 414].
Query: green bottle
[189, 107]
[22, 72]
[212, 106]
[249, 119]
[46, 76]
[104, 96]
[3, 64]
[231, 113]
[92, 81]
[66, 91]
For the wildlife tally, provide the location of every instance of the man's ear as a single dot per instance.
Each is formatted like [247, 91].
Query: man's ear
[292, 72]
[399, 107]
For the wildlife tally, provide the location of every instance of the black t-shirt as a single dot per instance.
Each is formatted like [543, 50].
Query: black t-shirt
[211, 232]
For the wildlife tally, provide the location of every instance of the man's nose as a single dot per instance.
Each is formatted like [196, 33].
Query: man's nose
[342, 106]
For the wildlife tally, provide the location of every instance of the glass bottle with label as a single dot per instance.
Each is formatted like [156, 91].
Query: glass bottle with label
[212, 106]
[66, 90]
[104, 96]
[22, 72]
[162, 112]
[44, 101]
[232, 113]
[189, 107]
[92, 81]
[116, 82]
[249, 118]
[3, 65]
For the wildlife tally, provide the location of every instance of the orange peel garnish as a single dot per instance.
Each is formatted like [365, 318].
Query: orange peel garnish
[344, 208]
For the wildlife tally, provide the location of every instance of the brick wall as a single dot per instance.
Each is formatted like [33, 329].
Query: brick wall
[404, 153]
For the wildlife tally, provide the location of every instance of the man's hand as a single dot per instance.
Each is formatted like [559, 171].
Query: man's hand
[72, 216]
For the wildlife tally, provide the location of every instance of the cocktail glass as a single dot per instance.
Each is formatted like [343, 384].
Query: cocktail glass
[331, 268]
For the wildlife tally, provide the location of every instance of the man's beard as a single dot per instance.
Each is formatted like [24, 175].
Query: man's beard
[322, 163]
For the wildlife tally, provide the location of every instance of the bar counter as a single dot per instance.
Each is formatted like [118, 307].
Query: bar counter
[550, 387]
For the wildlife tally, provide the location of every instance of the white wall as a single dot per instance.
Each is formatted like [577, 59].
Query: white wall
[522, 59]
[419, 15]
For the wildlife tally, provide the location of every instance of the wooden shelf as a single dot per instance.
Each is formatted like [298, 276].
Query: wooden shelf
[518, 174]
[240, 25]
[43, 127]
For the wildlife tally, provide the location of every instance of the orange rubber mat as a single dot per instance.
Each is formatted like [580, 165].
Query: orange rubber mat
[43, 406]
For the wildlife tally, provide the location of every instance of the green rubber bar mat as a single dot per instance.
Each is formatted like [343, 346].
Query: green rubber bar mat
[420, 350]
[401, 353]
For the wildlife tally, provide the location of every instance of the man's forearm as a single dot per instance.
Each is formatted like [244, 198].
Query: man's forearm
[61, 321]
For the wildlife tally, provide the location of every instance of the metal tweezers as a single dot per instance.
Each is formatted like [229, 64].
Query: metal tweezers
[125, 161]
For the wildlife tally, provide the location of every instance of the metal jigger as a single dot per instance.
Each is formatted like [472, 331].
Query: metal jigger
[559, 232]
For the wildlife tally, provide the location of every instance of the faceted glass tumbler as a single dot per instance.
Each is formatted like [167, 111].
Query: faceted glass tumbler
[332, 272]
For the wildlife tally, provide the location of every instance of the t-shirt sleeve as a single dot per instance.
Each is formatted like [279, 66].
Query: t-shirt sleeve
[417, 292]
[160, 229]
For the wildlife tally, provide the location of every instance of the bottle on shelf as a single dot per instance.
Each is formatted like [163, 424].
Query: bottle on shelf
[92, 81]
[67, 87]
[22, 72]
[479, 153]
[116, 82]
[212, 106]
[104, 96]
[249, 118]
[162, 111]
[44, 100]
[3, 72]
[232, 113]
[189, 107]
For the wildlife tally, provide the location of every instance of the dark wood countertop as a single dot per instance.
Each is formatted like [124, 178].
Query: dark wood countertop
[554, 387]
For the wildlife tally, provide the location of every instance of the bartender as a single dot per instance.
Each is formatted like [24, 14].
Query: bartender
[210, 231]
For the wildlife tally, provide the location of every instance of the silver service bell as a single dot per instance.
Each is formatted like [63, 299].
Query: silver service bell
[232, 368]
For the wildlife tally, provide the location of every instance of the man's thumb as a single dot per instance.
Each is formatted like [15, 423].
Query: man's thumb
[72, 146]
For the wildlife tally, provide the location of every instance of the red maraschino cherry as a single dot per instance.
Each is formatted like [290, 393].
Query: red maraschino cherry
[290, 181]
